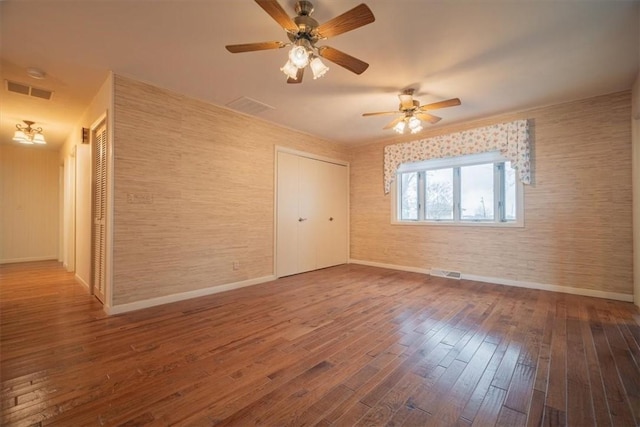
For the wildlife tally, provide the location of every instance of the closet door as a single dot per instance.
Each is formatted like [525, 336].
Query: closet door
[308, 213]
[98, 230]
[332, 215]
[288, 189]
[311, 215]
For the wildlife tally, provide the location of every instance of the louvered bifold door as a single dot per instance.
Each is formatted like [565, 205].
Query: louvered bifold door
[99, 209]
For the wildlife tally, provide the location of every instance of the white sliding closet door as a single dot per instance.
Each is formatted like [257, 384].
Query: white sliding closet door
[332, 199]
[311, 214]
[308, 219]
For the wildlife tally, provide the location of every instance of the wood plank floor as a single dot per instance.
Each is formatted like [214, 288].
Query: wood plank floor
[349, 345]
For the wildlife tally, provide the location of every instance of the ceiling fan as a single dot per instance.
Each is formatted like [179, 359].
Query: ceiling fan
[413, 114]
[304, 32]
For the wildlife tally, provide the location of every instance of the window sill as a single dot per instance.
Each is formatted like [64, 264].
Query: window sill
[514, 224]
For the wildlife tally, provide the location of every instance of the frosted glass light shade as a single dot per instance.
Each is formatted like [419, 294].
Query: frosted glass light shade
[400, 127]
[20, 136]
[318, 68]
[290, 70]
[38, 138]
[299, 56]
[413, 123]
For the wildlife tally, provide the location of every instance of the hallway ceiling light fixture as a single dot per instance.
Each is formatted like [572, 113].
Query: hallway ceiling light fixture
[28, 135]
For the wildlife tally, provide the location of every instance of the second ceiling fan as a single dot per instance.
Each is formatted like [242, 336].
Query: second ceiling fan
[412, 114]
[304, 32]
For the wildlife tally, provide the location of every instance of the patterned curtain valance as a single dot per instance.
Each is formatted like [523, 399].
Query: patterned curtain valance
[511, 139]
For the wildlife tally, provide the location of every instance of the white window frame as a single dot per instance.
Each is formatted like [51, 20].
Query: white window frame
[453, 162]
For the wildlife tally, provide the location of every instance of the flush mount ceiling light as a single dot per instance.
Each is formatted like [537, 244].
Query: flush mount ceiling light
[413, 114]
[28, 135]
[304, 32]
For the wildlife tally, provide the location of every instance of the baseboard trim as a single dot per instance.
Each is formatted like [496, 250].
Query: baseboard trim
[390, 266]
[82, 282]
[139, 305]
[509, 282]
[29, 259]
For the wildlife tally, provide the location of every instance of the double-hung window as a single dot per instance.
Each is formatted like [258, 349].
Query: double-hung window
[477, 189]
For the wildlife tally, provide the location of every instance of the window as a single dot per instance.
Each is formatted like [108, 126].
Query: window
[479, 189]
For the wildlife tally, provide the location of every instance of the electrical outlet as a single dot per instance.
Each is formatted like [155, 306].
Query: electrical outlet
[236, 265]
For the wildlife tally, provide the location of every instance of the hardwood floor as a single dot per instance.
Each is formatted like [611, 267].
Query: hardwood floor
[349, 345]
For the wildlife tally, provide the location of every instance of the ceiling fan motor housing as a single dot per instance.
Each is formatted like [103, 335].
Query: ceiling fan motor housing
[306, 24]
[306, 28]
[304, 7]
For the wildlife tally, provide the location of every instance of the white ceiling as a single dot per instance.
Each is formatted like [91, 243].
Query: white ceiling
[496, 56]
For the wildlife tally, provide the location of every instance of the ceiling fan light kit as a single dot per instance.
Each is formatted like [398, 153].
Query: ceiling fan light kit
[304, 32]
[411, 123]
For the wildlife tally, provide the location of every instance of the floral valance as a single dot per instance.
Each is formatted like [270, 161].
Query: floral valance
[510, 139]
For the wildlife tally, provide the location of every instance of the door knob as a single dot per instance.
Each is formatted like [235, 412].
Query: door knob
[302, 219]
[330, 218]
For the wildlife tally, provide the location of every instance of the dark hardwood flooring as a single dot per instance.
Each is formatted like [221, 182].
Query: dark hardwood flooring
[349, 345]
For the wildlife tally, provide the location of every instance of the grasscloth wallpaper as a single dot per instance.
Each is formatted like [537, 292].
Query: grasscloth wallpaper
[193, 192]
[578, 211]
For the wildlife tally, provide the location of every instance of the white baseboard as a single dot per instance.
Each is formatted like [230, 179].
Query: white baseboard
[510, 282]
[82, 282]
[390, 266]
[138, 305]
[29, 259]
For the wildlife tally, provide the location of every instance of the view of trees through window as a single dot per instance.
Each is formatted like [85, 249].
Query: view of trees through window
[409, 194]
[439, 194]
[471, 193]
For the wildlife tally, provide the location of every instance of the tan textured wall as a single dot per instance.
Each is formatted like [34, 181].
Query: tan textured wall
[193, 192]
[635, 132]
[578, 222]
[29, 203]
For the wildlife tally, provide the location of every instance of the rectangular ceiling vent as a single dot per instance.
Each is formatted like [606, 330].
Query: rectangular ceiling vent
[28, 90]
[445, 273]
[249, 106]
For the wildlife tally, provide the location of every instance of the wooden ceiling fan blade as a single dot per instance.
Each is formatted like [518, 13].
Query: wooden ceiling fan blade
[342, 59]
[298, 78]
[355, 18]
[380, 113]
[441, 104]
[426, 117]
[393, 123]
[273, 8]
[252, 47]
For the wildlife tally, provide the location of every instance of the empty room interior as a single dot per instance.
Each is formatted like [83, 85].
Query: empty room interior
[261, 212]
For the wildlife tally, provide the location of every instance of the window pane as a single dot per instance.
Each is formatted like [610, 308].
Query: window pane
[476, 192]
[409, 195]
[439, 194]
[509, 192]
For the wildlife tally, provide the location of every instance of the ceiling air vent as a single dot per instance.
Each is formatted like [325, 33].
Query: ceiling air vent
[249, 106]
[28, 90]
